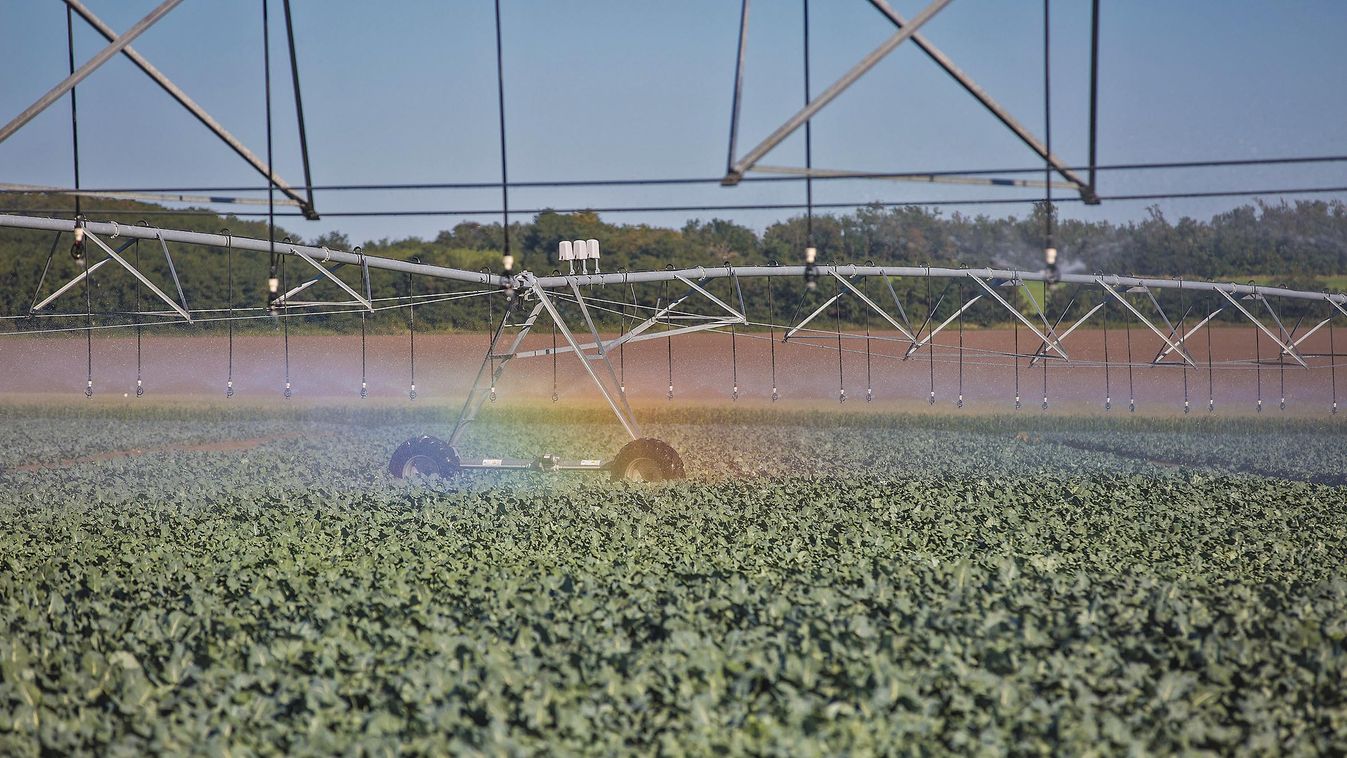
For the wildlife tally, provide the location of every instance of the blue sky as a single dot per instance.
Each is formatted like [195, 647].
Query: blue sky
[405, 92]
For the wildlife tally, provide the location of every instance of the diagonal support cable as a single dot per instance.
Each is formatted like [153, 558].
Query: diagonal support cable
[917, 345]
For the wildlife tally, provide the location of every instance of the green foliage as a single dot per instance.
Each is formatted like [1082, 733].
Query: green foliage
[826, 584]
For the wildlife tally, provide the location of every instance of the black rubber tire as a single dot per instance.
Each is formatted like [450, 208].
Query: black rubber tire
[424, 456]
[647, 460]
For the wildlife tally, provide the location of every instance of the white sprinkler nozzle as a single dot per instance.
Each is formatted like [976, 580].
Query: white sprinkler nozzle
[810, 253]
[1050, 256]
[566, 253]
[507, 262]
[273, 285]
[592, 252]
[581, 255]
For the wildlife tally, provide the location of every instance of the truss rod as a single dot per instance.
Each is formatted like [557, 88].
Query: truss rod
[941, 59]
[1038, 352]
[1285, 348]
[176, 92]
[836, 88]
[980, 181]
[114, 46]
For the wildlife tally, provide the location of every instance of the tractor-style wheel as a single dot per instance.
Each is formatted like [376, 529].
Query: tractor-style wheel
[647, 460]
[423, 456]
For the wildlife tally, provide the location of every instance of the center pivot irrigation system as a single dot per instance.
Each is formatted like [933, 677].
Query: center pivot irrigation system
[723, 299]
[706, 299]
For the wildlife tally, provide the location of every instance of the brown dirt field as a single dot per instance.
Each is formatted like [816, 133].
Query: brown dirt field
[327, 369]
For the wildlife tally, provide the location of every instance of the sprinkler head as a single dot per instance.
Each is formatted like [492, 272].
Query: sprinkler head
[77, 247]
[1050, 264]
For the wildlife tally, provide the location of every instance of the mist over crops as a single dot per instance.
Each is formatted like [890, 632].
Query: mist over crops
[248, 578]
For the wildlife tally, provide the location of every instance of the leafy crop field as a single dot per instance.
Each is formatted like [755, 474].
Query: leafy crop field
[823, 583]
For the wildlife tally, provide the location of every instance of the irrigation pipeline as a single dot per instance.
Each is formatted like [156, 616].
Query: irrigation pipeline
[326, 255]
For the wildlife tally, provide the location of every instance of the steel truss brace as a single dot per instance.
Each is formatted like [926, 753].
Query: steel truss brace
[114, 255]
[478, 394]
[906, 29]
[122, 44]
[1039, 351]
[638, 332]
[1053, 342]
[1306, 335]
[115, 45]
[1086, 189]
[1147, 322]
[621, 410]
[737, 170]
[325, 272]
[1286, 349]
[917, 345]
[1165, 351]
[78, 278]
[852, 289]
[180, 308]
